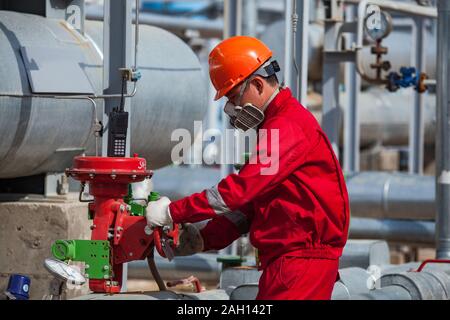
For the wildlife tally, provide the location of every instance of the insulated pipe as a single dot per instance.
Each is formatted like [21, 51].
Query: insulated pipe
[443, 133]
[423, 285]
[356, 284]
[387, 293]
[379, 195]
[179, 25]
[400, 231]
[159, 107]
[207, 28]
[385, 195]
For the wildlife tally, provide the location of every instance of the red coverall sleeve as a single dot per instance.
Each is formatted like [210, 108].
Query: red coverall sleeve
[282, 147]
[221, 231]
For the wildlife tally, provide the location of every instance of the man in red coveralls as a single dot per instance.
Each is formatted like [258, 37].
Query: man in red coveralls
[298, 214]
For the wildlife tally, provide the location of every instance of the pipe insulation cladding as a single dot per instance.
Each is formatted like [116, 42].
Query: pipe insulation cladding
[47, 56]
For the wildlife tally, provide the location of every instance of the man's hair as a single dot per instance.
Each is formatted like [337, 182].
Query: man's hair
[272, 80]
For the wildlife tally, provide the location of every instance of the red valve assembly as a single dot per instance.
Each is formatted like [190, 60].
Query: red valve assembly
[129, 236]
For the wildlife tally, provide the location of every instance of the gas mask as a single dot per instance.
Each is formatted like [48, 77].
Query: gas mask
[248, 116]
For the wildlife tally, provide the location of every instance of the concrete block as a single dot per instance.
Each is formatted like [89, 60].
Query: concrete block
[27, 231]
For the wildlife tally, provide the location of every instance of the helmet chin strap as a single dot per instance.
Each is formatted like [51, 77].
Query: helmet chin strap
[274, 94]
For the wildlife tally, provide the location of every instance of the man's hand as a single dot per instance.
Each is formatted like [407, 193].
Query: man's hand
[190, 241]
[158, 213]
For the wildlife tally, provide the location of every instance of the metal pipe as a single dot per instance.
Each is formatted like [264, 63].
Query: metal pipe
[351, 116]
[296, 48]
[387, 293]
[70, 97]
[385, 195]
[301, 38]
[93, 97]
[29, 116]
[331, 111]
[443, 133]
[417, 126]
[232, 27]
[45, 96]
[136, 33]
[399, 231]
[249, 17]
[207, 28]
[379, 195]
[288, 42]
[101, 96]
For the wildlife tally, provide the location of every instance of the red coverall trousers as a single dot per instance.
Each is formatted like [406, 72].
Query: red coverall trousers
[290, 197]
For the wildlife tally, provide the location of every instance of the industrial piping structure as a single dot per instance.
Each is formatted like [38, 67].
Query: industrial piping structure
[385, 198]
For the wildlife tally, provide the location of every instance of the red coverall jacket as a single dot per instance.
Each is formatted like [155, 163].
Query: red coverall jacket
[297, 216]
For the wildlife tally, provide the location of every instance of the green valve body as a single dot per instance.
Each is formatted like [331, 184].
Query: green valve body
[95, 255]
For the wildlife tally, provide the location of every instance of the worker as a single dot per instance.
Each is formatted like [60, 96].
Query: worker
[297, 216]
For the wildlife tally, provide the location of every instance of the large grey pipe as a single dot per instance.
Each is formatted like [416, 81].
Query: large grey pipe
[384, 195]
[376, 195]
[393, 230]
[396, 207]
[43, 135]
[443, 133]
[206, 28]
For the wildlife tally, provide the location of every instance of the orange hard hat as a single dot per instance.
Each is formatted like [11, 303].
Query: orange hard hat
[235, 59]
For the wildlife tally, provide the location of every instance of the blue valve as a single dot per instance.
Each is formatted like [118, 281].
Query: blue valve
[408, 77]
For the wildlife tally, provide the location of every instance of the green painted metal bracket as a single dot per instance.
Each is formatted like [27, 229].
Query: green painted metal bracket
[138, 209]
[94, 253]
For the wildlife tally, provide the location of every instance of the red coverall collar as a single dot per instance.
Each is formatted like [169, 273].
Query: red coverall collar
[279, 100]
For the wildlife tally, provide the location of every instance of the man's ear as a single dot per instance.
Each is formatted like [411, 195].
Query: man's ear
[259, 84]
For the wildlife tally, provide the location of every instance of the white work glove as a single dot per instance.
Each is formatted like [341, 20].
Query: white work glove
[158, 214]
[190, 241]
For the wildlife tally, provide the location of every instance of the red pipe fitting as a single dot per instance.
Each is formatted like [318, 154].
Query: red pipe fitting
[423, 264]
